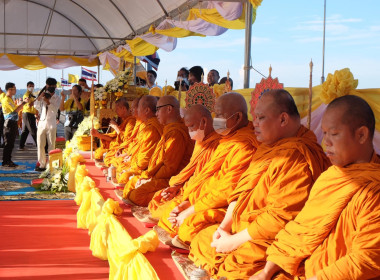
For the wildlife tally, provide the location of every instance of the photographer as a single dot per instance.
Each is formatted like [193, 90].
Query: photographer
[47, 103]
[74, 108]
[10, 111]
[28, 116]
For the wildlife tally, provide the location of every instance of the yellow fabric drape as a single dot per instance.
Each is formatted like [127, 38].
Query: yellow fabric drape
[139, 47]
[125, 254]
[213, 16]
[26, 62]
[176, 32]
[34, 62]
[99, 235]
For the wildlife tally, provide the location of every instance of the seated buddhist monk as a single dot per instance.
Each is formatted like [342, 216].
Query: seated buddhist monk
[336, 235]
[148, 137]
[204, 199]
[198, 119]
[122, 152]
[113, 139]
[171, 155]
[116, 147]
[270, 193]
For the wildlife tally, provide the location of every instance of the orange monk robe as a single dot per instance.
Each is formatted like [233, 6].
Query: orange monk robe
[336, 235]
[115, 145]
[139, 125]
[105, 145]
[172, 154]
[144, 148]
[270, 193]
[201, 155]
[208, 192]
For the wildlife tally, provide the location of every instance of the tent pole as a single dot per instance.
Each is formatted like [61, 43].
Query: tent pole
[323, 47]
[98, 73]
[247, 51]
[134, 70]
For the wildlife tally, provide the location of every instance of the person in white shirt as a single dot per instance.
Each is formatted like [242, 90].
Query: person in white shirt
[47, 103]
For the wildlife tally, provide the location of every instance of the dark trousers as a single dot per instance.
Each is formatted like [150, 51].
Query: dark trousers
[10, 134]
[29, 121]
[1, 125]
[69, 132]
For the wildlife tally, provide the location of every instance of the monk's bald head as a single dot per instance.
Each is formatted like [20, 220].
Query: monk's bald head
[198, 117]
[147, 107]
[355, 112]
[282, 102]
[196, 113]
[231, 103]
[149, 101]
[276, 117]
[168, 110]
[168, 99]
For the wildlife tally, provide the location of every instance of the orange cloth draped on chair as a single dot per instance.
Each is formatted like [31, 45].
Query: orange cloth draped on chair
[171, 155]
[336, 235]
[203, 151]
[270, 193]
[105, 145]
[208, 192]
[115, 145]
[141, 151]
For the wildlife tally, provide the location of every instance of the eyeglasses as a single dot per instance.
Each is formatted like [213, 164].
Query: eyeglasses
[159, 107]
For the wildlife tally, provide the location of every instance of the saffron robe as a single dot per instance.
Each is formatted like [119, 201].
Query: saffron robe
[208, 192]
[127, 142]
[336, 235]
[203, 151]
[171, 155]
[270, 193]
[142, 151]
[115, 145]
[105, 145]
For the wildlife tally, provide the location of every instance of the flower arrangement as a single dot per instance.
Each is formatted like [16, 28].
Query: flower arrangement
[120, 82]
[55, 180]
[84, 128]
[100, 94]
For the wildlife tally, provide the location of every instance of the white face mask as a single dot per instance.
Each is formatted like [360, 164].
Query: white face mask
[197, 135]
[220, 125]
[30, 89]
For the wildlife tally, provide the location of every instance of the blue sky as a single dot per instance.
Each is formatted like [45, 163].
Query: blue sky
[286, 35]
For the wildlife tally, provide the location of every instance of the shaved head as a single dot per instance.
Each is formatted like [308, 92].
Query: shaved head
[198, 117]
[233, 102]
[198, 110]
[168, 110]
[355, 112]
[283, 102]
[168, 99]
[149, 101]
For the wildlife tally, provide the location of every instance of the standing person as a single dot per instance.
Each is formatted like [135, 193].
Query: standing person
[195, 75]
[10, 111]
[28, 116]
[151, 79]
[213, 77]
[74, 108]
[2, 94]
[47, 103]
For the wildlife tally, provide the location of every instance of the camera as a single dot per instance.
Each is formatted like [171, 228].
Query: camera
[47, 95]
[176, 85]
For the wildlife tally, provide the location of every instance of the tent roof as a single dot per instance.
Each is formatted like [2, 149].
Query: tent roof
[80, 27]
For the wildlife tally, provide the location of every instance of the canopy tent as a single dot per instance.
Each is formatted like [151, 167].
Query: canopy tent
[110, 29]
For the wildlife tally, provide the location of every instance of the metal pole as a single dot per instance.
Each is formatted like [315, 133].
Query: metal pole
[323, 48]
[134, 70]
[247, 51]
